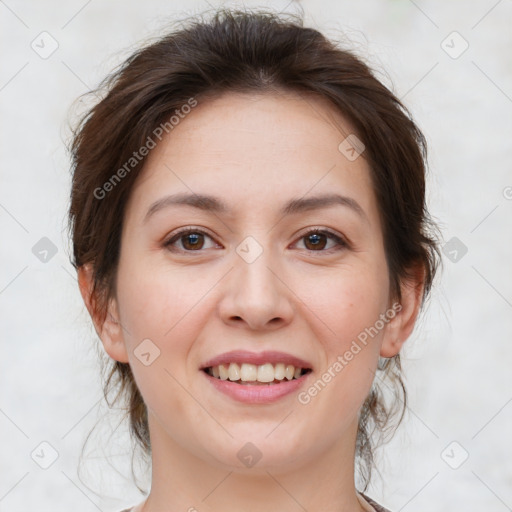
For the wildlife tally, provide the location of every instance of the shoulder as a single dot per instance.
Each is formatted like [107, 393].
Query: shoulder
[374, 504]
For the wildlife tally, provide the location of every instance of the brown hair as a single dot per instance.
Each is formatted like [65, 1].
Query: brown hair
[248, 51]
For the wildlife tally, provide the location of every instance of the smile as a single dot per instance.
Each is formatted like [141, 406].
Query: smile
[251, 374]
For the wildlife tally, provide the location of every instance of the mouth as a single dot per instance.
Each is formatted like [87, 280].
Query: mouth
[266, 374]
[257, 377]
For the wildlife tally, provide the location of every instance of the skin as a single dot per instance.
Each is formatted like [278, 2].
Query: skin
[255, 152]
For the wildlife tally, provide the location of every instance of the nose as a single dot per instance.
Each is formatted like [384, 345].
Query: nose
[256, 295]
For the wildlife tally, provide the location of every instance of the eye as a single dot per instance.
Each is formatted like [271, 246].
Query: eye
[317, 240]
[190, 239]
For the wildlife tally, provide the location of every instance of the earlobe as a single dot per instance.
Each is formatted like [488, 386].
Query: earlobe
[401, 326]
[107, 325]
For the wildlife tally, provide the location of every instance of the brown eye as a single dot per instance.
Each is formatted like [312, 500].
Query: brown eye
[193, 241]
[318, 240]
[315, 241]
[188, 240]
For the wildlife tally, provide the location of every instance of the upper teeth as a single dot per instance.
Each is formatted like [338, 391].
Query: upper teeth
[250, 372]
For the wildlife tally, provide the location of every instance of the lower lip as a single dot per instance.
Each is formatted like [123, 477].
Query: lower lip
[257, 394]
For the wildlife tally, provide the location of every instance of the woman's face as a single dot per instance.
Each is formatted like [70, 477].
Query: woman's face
[250, 276]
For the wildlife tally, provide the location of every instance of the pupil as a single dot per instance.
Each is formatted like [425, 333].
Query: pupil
[194, 238]
[315, 240]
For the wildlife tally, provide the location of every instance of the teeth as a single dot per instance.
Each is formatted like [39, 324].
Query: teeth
[247, 372]
[289, 371]
[279, 371]
[223, 371]
[265, 373]
[234, 372]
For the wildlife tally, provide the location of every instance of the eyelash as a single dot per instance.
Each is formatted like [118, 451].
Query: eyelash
[342, 243]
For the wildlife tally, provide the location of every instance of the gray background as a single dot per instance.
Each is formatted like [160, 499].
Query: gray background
[458, 360]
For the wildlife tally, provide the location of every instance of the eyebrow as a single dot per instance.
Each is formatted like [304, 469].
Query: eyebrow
[294, 206]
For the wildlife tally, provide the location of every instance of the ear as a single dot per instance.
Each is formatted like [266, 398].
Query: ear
[108, 329]
[402, 324]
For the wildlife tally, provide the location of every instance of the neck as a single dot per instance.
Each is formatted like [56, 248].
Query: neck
[183, 481]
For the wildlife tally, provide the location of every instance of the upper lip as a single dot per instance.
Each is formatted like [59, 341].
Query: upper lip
[257, 358]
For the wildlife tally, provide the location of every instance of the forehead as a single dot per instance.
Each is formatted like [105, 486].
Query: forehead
[278, 120]
[249, 146]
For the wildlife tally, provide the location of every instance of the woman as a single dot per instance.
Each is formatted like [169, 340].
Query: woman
[252, 243]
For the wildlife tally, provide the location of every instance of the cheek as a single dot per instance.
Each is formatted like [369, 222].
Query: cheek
[156, 303]
[171, 309]
[168, 307]
[347, 306]
[160, 312]
[345, 301]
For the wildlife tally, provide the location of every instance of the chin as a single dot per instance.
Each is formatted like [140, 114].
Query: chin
[263, 449]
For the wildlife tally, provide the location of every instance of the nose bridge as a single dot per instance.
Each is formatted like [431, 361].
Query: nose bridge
[256, 295]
